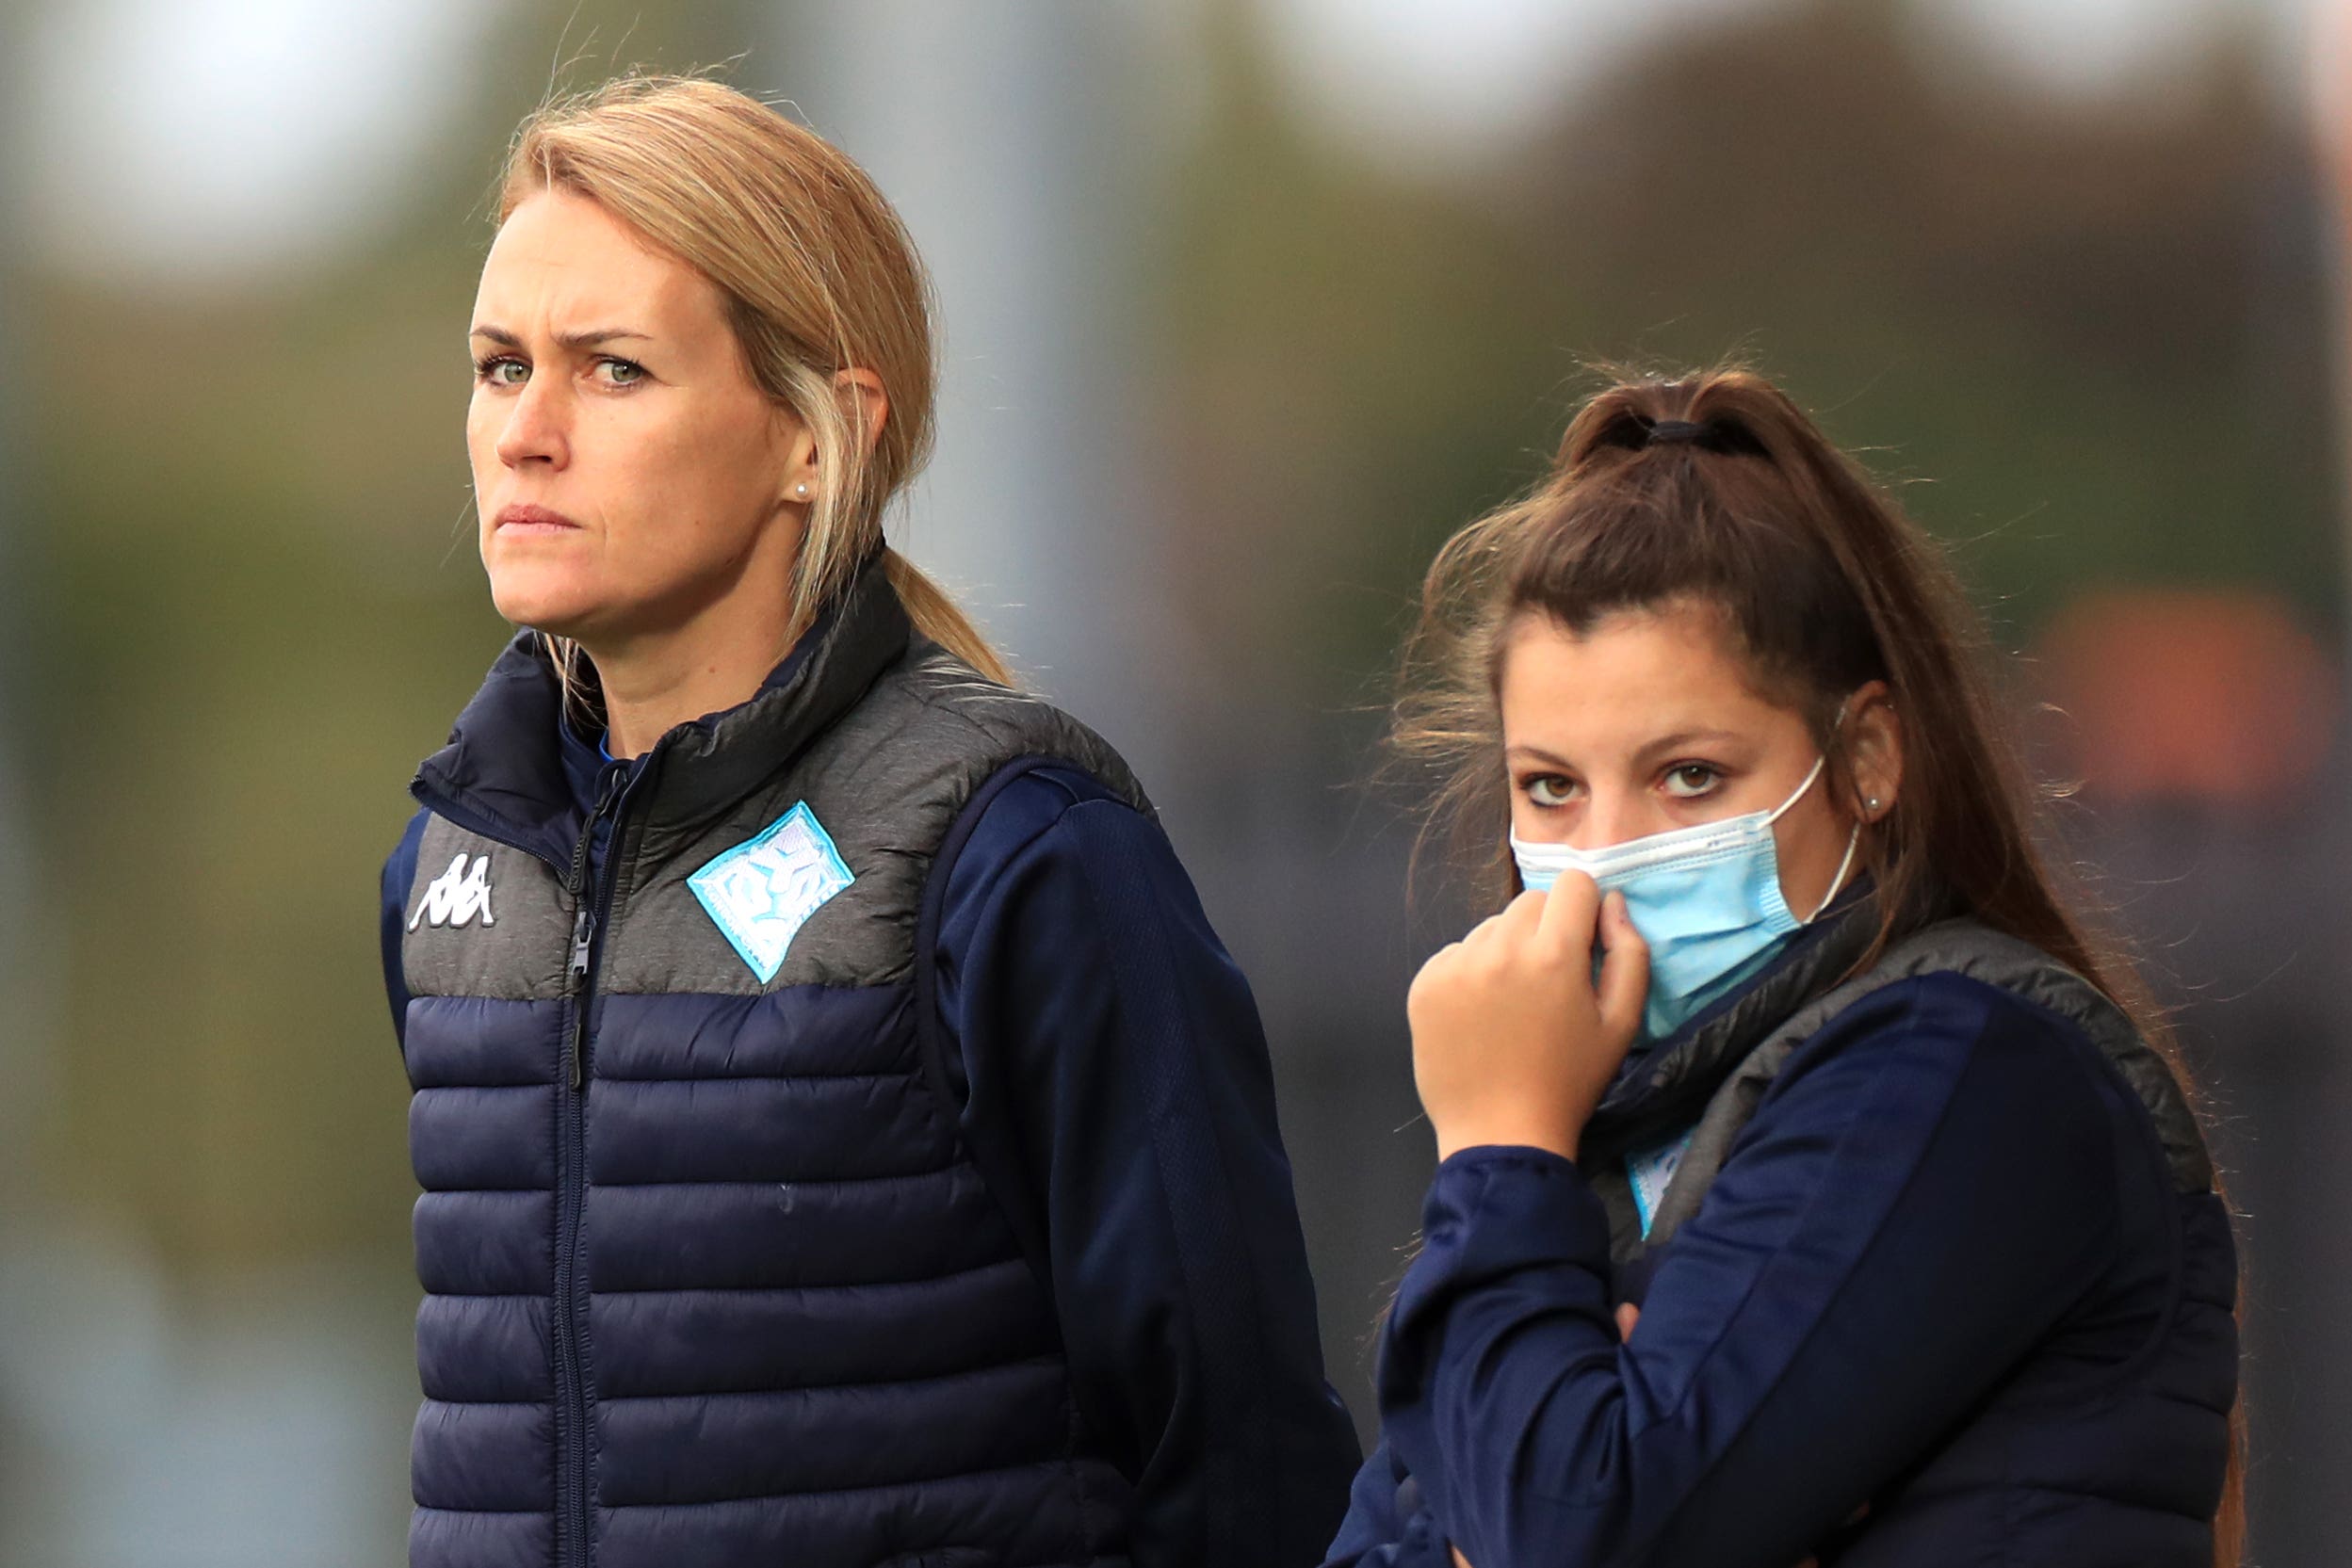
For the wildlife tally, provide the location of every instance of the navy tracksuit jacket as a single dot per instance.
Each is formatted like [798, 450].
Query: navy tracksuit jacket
[1945, 1276]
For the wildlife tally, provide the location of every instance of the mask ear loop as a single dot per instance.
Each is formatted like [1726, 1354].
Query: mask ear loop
[1819, 763]
[1782, 809]
[1853, 840]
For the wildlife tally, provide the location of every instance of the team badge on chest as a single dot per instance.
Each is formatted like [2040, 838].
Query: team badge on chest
[761, 892]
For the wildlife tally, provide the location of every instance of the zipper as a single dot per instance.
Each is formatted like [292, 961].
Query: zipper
[569, 1326]
[574, 1506]
[586, 916]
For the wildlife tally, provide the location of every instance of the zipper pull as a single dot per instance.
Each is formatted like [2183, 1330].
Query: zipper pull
[583, 930]
[608, 792]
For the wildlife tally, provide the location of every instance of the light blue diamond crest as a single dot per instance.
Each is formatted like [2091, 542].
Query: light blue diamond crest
[761, 892]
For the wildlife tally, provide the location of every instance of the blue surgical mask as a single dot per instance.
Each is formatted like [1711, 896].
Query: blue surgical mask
[1707, 899]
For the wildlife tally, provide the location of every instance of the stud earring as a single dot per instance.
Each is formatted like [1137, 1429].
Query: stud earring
[800, 490]
[1870, 805]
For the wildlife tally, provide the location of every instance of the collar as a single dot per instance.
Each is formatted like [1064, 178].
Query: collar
[1664, 1086]
[588, 763]
[503, 773]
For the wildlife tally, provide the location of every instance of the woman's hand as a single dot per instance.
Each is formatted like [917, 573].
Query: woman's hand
[1513, 1042]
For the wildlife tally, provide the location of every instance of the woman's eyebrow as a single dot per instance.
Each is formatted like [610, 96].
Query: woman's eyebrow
[569, 340]
[1663, 744]
[1680, 738]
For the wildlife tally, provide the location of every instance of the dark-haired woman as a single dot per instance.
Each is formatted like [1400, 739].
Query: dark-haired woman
[1849, 1206]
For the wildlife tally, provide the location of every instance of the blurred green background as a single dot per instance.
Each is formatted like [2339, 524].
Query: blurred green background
[1248, 303]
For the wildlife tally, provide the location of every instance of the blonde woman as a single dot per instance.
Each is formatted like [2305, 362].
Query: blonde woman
[843, 1140]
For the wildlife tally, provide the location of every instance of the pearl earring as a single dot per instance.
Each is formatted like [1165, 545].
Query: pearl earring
[1870, 805]
[801, 490]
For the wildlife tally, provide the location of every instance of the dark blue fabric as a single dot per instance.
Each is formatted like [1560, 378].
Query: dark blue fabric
[1105, 1047]
[808, 1337]
[1945, 1273]
[711, 1279]
[398, 879]
[1107, 1043]
[595, 776]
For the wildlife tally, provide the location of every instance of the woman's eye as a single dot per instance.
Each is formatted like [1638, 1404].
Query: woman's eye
[1691, 780]
[1550, 789]
[502, 371]
[622, 372]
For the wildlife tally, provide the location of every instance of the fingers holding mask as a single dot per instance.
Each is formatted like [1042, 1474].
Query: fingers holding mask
[1511, 1042]
[1623, 988]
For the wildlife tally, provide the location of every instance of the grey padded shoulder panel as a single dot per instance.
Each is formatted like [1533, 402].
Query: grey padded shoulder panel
[885, 781]
[480, 920]
[1962, 946]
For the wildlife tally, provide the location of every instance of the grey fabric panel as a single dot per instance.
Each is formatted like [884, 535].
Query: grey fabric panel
[884, 782]
[520, 954]
[1615, 1190]
[1662, 1095]
[1960, 946]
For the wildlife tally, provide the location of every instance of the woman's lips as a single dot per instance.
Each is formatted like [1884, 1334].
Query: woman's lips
[534, 520]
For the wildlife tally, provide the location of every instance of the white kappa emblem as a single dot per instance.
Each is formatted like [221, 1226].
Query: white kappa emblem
[458, 896]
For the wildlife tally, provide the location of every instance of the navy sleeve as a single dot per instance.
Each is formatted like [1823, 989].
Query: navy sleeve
[399, 877]
[1386, 1526]
[1112, 1060]
[1923, 1194]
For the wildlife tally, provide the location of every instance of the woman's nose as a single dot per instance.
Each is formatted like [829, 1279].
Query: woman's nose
[537, 427]
[1610, 819]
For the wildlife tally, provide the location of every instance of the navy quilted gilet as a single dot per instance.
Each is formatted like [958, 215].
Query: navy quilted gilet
[711, 1278]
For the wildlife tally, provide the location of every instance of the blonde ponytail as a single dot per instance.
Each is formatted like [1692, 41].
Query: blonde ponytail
[937, 617]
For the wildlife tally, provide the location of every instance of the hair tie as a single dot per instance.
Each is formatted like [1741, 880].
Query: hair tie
[1637, 433]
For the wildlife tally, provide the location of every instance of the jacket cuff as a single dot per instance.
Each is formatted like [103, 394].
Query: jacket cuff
[1494, 1211]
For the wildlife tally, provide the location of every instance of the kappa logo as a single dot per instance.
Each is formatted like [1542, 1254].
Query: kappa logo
[457, 896]
[761, 892]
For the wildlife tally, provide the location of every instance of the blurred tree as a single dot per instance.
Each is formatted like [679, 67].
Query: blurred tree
[2093, 322]
[260, 606]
